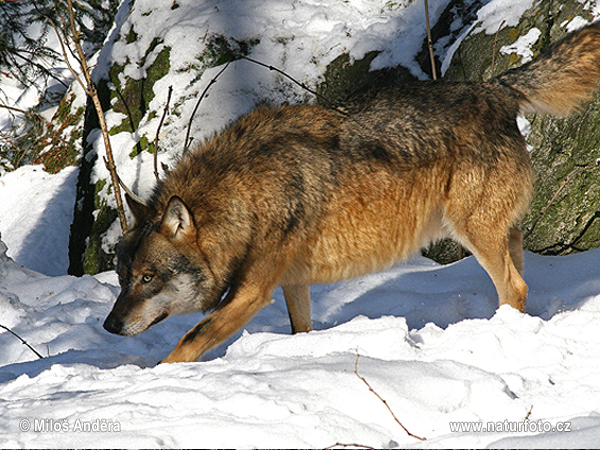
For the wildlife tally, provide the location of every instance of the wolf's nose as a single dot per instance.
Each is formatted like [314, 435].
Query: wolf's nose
[113, 325]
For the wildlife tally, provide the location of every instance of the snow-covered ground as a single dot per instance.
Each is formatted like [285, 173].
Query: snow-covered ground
[425, 338]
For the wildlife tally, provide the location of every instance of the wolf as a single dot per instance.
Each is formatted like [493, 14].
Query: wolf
[297, 195]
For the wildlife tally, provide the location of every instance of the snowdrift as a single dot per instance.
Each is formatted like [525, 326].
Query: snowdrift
[426, 338]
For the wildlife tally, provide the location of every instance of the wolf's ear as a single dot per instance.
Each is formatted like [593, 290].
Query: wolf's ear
[177, 221]
[141, 213]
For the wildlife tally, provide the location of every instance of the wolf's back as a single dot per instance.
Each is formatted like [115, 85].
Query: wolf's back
[562, 77]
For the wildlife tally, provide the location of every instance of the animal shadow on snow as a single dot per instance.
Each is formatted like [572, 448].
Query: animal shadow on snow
[444, 295]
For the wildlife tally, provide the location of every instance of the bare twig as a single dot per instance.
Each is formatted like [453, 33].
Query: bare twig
[187, 142]
[558, 191]
[90, 89]
[12, 108]
[162, 119]
[339, 444]
[19, 160]
[302, 85]
[430, 42]
[125, 188]
[383, 400]
[61, 41]
[23, 341]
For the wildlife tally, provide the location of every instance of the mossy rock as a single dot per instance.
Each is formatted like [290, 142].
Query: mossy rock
[478, 58]
[133, 99]
[560, 147]
[345, 78]
[565, 211]
[85, 234]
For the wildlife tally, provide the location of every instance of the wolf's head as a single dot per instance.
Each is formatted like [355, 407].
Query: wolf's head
[161, 271]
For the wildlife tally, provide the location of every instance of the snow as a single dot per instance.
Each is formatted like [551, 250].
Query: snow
[426, 338]
[35, 211]
[522, 46]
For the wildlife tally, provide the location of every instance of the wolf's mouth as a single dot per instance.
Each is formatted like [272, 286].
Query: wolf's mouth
[160, 318]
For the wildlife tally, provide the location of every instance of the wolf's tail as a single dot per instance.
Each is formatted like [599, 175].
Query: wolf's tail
[562, 77]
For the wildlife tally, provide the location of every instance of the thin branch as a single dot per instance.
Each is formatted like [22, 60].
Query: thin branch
[43, 70]
[158, 131]
[528, 413]
[558, 191]
[430, 42]
[76, 35]
[125, 188]
[61, 41]
[187, 142]
[90, 89]
[302, 85]
[339, 444]
[12, 108]
[17, 162]
[383, 400]
[22, 341]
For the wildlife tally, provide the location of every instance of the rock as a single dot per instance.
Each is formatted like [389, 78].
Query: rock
[560, 148]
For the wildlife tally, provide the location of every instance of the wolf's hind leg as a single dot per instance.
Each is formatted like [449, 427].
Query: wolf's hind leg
[497, 246]
[297, 299]
[515, 247]
[512, 289]
[496, 252]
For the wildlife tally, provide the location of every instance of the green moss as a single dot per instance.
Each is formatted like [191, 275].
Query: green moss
[131, 36]
[134, 98]
[343, 76]
[218, 51]
[473, 60]
[95, 259]
[146, 144]
[561, 148]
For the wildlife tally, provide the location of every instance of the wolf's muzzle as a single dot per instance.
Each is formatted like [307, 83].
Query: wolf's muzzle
[113, 325]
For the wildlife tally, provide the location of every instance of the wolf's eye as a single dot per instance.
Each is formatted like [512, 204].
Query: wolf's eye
[147, 278]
